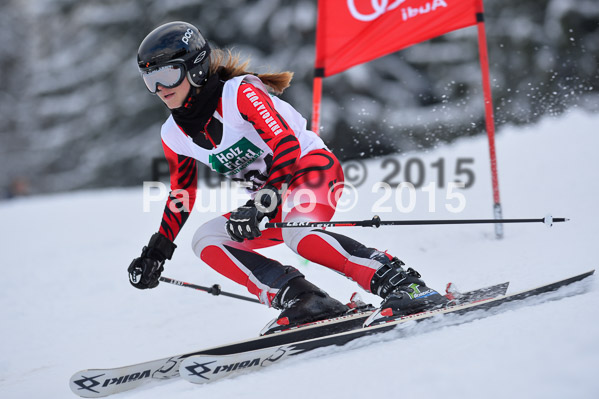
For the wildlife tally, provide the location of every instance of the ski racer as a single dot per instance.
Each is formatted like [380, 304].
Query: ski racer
[225, 117]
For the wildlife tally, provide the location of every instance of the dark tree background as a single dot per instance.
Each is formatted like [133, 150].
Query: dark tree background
[75, 113]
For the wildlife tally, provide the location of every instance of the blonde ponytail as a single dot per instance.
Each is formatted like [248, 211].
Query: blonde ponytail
[230, 65]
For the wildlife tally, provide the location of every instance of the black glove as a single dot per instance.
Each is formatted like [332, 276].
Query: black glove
[145, 271]
[244, 221]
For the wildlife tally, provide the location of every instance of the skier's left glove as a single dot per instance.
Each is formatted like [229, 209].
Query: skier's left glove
[244, 222]
[144, 272]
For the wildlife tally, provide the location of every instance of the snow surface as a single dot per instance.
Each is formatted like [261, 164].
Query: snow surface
[66, 304]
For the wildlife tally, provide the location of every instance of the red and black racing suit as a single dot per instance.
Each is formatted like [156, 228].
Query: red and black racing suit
[316, 177]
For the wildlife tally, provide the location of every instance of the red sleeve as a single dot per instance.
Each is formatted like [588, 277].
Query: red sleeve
[257, 108]
[184, 183]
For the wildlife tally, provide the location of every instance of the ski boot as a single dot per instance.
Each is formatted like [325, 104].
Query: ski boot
[302, 302]
[403, 293]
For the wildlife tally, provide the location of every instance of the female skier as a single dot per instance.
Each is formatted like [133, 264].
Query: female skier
[224, 117]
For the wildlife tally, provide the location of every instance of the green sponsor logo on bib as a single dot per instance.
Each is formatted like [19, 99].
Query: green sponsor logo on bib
[235, 158]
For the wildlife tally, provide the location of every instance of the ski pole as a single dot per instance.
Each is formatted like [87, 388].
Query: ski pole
[377, 222]
[214, 290]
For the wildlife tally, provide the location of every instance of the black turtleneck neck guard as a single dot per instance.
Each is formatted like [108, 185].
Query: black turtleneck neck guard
[195, 116]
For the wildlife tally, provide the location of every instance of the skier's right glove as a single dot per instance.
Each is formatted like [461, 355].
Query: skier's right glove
[243, 223]
[144, 272]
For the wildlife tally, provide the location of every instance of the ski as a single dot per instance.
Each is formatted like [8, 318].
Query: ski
[207, 368]
[95, 383]
[356, 319]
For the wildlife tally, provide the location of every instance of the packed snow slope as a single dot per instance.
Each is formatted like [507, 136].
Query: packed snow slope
[66, 303]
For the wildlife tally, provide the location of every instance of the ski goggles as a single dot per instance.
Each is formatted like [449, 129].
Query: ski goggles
[168, 76]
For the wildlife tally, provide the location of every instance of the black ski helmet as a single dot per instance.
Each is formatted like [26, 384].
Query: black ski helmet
[176, 43]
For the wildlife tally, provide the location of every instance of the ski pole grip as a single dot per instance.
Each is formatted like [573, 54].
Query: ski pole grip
[262, 225]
